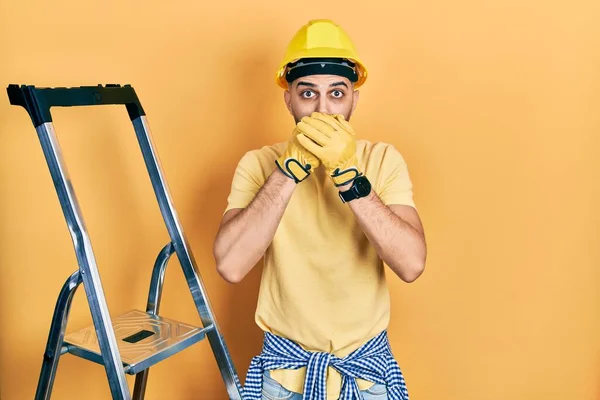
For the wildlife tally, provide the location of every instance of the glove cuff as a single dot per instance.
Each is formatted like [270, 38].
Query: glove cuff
[345, 176]
[293, 169]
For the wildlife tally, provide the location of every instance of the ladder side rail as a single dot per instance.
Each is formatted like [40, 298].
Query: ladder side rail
[186, 258]
[55, 337]
[38, 102]
[153, 305]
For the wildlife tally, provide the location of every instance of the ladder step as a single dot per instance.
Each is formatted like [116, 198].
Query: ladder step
[143, 339]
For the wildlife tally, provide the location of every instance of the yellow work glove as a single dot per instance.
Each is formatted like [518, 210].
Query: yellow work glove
[332, 139]
[296, 162]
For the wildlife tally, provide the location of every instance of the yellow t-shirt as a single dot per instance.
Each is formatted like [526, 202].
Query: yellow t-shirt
[323, 284]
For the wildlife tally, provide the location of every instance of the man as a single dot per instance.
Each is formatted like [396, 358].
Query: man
[325, 209]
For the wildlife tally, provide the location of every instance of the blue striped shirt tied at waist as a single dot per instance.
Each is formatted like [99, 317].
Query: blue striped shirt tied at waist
[372, 362]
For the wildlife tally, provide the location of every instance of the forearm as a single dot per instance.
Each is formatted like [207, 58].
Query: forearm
[243, 240]
[396, 241]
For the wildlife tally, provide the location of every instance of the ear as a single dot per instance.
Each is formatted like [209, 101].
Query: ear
[287, 97]
[355, 100]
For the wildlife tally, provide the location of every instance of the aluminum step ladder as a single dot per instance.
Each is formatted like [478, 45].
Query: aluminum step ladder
[134, 341]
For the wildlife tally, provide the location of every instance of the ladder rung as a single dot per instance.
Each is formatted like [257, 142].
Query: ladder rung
[143, 339]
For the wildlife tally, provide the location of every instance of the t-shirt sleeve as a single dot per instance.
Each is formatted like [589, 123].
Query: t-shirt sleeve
[246, 182]
[396, 185]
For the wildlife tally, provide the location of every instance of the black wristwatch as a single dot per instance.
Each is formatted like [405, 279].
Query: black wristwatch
[361, 187]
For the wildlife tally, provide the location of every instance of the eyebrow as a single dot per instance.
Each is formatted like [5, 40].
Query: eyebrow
[302, 83]
[340, 83]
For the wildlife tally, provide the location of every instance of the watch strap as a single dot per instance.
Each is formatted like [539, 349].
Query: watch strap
[348, 195]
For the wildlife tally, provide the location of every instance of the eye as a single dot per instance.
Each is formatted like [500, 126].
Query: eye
[307, 94]
[337, 94]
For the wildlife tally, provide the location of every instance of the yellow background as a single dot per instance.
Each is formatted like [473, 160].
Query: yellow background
[494, 104]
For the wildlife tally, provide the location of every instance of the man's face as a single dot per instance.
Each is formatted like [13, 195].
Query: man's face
[328, 94]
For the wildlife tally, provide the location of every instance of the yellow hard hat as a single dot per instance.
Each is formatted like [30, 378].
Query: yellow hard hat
[321, 38]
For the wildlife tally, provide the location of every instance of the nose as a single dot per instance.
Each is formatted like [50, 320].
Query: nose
[323, 106]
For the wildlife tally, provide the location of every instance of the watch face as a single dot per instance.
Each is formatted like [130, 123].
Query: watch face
[362, 185]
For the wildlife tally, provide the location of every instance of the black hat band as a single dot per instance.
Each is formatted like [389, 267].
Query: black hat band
[321, 66]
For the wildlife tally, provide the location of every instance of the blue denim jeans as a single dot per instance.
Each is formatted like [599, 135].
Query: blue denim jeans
[272, 390]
